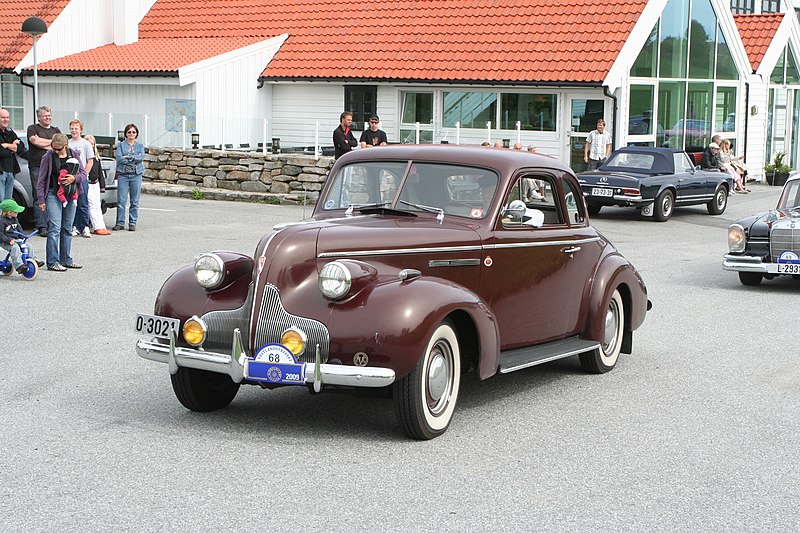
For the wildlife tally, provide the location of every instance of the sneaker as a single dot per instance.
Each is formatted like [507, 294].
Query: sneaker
[39, 263]
[117, 227]
[86, 233]
[73, 265]
[22, 269]
[56, 268]
[42, 232]
[132, 227]
[102, 231]
[74, 231]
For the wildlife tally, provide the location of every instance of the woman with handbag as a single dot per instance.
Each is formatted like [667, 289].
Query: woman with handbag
[130, 167]
[97, 185]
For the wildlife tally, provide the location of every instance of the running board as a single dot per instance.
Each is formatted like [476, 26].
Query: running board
[536, 355]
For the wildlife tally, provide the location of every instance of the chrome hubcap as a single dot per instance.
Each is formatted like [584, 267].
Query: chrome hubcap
[439, 378]
[612, 324]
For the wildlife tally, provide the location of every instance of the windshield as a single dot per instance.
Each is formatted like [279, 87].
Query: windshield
[419, 187]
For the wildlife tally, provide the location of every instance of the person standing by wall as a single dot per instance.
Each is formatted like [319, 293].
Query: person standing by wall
[39, 136]
[81, 146]
[130, 167]
[60, 216]
[343, 139]
[597, 147]
[373, 136]
[10, 148]
[97, 185]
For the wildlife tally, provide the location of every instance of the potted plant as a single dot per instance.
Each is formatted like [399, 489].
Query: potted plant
[777, 172]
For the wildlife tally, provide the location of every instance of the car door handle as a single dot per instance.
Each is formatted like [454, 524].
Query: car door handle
[571, 249]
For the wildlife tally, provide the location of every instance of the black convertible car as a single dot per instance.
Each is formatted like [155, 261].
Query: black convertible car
[655, 181]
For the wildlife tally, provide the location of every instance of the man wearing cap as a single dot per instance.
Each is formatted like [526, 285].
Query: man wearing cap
[10, 147]
[373, 136]
[710, 157]
[343, 139]
[9, 227]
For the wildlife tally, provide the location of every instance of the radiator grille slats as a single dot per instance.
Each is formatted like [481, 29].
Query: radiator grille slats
[783, 238]
[222, 323]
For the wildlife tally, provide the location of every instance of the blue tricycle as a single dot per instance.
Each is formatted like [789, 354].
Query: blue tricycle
[6, 267]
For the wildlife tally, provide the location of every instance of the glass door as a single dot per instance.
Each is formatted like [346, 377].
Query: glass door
[584, 114]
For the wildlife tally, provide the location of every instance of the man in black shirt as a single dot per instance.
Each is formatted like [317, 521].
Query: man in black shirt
[373, 136]
[10, 147]
[343, 139]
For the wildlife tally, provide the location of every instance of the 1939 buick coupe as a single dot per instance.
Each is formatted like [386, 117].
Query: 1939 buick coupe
[767, 244]
[419, 263]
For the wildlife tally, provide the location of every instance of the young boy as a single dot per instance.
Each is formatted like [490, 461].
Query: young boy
[9, 227]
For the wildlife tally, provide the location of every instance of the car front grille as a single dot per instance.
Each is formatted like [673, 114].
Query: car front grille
[222, 323]
[273, 320]
[784, 237]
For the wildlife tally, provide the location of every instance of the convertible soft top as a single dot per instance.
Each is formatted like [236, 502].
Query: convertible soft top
[662, 161]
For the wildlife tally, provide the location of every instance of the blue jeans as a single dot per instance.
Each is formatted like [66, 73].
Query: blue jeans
[6, 185]
[132, 185]
[16, 253]
[82, 220]
[40, 217]
[59, 230]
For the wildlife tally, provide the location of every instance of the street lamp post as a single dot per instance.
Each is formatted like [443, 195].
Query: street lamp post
[34, 26]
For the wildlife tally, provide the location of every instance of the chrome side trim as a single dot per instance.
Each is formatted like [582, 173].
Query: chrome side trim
[548, 359]
[539, 244]
[359, 253]
[453, 262]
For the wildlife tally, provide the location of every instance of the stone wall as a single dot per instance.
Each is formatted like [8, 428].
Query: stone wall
[288, 178]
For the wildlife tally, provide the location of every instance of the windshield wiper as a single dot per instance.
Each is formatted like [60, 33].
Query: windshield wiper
[361, 207]
[438, 210]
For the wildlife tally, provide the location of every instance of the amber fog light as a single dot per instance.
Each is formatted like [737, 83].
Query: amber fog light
[194, 331]
[295, 340]
[736, 238]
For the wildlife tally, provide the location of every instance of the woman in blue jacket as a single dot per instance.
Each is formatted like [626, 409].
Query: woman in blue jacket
[130, 167]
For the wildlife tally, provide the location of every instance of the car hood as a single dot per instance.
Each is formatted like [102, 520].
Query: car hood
[760, 224]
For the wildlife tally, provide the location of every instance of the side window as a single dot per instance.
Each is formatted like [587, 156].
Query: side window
[538, 194]
[574, 201]
[681, 162]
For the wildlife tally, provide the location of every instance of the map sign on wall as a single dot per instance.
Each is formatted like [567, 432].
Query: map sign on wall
[175, 110]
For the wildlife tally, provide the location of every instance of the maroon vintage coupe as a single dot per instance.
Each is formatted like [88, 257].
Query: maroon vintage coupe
[420, 263]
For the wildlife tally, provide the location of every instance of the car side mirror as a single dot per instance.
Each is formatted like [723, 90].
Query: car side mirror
[696, 168]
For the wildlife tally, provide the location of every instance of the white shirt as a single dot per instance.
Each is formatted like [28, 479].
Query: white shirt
[598, 143]
[84, 149]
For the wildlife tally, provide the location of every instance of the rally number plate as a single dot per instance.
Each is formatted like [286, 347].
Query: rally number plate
[157, 326]
[274, 363]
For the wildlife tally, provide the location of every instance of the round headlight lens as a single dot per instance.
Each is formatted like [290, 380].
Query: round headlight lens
[209, 270]
[335, 280]
[194, 331]
[295, 340]
[736, 238]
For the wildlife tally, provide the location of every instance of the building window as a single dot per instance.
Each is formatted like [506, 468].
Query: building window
[770, 6]
[742, 7]
[361, 101]
[416, 107]
[647, 62]
[535, 112]
[785, 71]
[11, 100]
[470, 110]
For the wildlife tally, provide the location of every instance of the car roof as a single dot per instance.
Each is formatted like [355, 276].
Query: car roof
[649, 150]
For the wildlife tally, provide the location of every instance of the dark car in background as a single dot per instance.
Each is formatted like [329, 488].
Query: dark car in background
[767, 244]
[24, 196]
[654, 181]
[419, 264]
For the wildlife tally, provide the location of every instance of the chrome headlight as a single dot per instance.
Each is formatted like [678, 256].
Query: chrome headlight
[335, 280]
[736, 238]
[209, 270]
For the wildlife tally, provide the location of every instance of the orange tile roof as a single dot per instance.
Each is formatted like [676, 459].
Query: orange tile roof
[757, 32]
[147, 55]
[445, 40]
[13, 43]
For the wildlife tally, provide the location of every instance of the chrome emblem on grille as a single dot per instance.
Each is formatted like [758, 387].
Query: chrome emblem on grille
[360, 359]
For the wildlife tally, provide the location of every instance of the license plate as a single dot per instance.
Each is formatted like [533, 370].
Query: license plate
[788, 268]
[157, 326]
[600, 191]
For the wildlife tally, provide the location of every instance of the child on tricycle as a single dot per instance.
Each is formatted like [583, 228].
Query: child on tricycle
[20, 253]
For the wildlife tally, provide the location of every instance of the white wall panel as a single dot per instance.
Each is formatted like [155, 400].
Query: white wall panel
[297, 107]
[756, 129]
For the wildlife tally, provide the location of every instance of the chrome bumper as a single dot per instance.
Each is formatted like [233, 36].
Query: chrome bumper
[316, 374]
[746, 263]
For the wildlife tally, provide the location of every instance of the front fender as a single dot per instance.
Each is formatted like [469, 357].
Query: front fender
[397, 319]
[181, 296]
[616, 272]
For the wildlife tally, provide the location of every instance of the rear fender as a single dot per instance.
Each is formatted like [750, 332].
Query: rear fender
[394, 326]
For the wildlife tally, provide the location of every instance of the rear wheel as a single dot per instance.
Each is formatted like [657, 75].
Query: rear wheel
[603, 359]
[718, 204]
[203, 391]
[593, 209]
[425, 399]
[663, 206]
[750, 278]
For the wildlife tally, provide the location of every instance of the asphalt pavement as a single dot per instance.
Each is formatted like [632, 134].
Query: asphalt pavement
[695, 431]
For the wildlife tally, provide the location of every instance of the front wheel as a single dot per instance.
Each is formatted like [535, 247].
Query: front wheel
[602, 360]
[425, 399]
[203, 391]
[33, 270]
[750, 278]
[6, 268]
[720, 201]
[663, 206]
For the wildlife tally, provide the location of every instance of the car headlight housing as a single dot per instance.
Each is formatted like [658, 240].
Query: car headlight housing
[209, 270]
[335, 280]
[736, 238]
